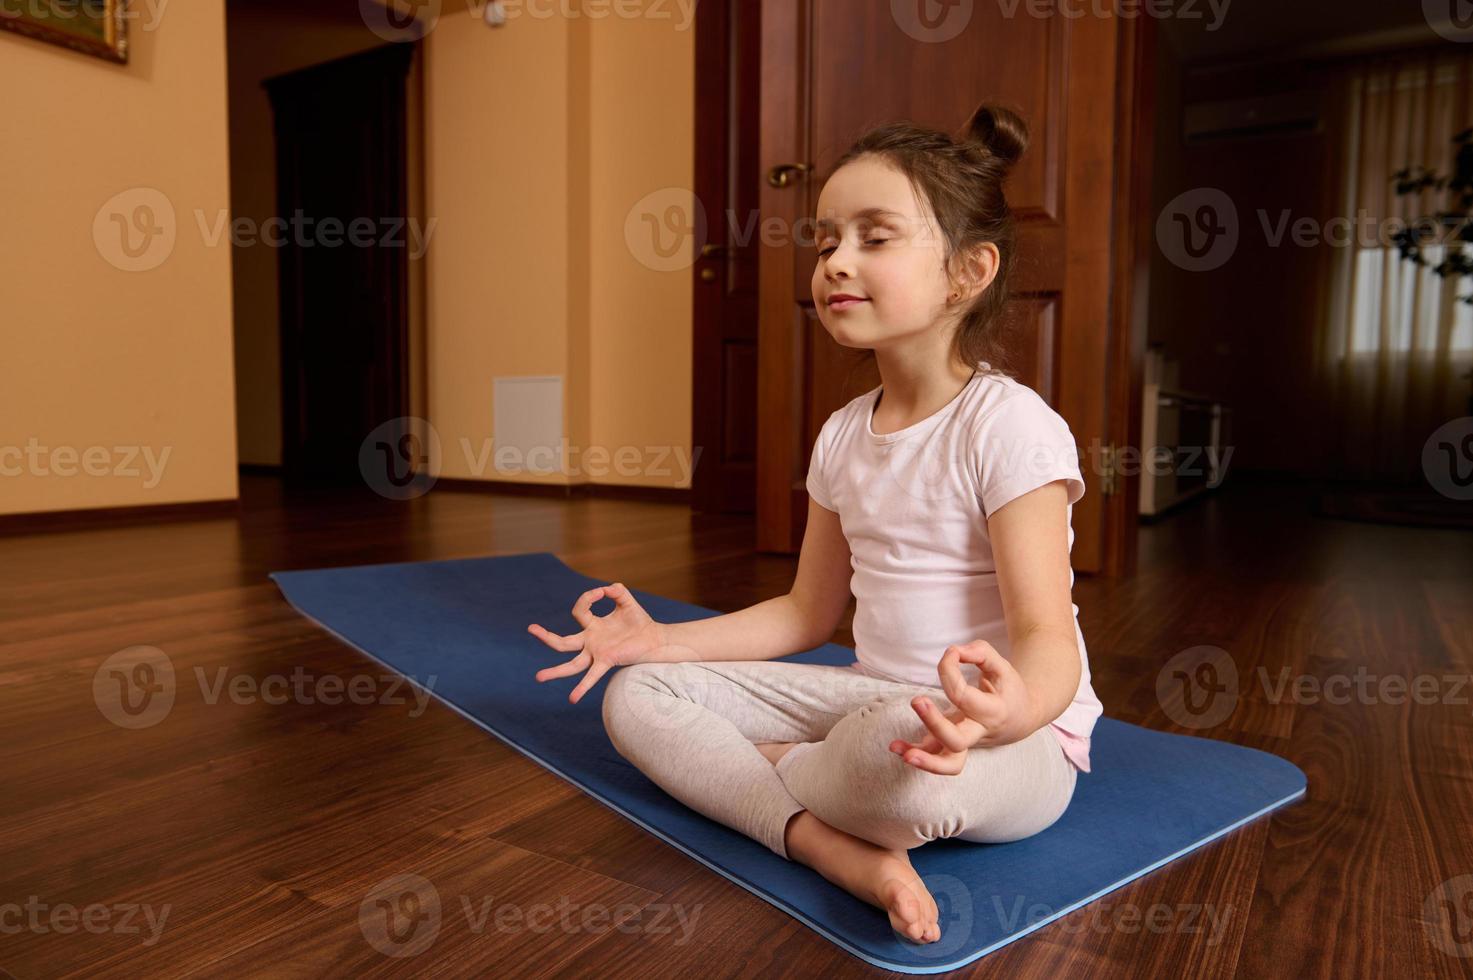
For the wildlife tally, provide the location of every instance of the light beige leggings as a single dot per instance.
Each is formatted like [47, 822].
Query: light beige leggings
[691, 728]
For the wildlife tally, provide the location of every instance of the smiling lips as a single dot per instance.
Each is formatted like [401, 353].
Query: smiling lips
[844, 301]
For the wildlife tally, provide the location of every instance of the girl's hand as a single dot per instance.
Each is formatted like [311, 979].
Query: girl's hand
[625, 636]
[997, 711]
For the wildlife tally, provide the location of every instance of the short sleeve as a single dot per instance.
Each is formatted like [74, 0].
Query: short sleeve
[1024, 444]
[818, 487]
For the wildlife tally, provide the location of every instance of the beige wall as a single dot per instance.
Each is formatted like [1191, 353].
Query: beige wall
[640, 331]
[105, 369]
[541, 136]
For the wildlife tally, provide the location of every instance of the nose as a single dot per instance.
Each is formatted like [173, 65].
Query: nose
[839, 264]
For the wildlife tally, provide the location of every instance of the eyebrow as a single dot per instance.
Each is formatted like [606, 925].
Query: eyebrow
[825, 224]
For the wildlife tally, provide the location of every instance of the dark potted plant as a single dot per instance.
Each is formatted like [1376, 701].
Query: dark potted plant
[1452, 227]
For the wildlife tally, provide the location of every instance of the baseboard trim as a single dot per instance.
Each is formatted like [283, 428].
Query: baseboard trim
[569, 491]
[92, 517]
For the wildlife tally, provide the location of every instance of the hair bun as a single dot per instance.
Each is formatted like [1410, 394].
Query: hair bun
[1002, 131]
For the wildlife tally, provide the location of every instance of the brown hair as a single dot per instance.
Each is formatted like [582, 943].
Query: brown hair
[961, 178]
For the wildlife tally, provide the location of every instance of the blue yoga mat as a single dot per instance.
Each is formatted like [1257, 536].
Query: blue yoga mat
[1151, 798]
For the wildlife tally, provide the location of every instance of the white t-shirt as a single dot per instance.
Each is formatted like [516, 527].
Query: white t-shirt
[913, 505]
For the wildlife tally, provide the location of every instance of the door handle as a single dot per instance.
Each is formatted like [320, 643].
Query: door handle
[709, 250]
[782, 175]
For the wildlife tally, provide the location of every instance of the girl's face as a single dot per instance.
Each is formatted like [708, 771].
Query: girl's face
[877, 241]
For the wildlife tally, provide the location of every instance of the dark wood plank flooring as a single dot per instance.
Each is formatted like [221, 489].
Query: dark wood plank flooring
[261, 830]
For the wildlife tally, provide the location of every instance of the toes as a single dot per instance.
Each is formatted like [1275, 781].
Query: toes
[908, 914]
[930, 912]
[904, 908]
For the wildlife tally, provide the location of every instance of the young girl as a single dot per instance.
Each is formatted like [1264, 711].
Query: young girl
[947, 492]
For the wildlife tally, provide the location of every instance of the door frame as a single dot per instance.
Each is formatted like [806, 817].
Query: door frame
[1135, 128]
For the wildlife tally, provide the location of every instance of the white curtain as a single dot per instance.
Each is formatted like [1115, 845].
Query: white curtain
[1394, 344]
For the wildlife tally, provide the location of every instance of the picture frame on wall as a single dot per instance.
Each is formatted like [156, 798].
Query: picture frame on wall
[95, 27]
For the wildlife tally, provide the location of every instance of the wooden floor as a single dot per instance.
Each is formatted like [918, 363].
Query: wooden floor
[260, 830]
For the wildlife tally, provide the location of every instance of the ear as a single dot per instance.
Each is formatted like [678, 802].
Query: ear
[979, 266]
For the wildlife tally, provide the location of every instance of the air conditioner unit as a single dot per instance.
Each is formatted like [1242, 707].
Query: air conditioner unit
[1290, 113]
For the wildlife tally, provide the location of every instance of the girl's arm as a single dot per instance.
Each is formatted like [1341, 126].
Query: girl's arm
[1017, 695]
[1030, 546]
[804, 618]
[800, 620]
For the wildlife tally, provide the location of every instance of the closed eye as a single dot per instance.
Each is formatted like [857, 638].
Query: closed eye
[867, 241]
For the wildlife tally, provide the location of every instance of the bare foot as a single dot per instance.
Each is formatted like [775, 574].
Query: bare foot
[881, 877]
[774, 750]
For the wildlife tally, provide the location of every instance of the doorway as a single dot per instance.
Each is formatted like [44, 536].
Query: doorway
[343, 204]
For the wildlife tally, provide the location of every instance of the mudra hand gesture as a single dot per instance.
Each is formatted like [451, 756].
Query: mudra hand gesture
[625, 636]
[996, 711]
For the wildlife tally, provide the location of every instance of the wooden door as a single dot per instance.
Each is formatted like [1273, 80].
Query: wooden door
[341, 157]
[831, 71]
[724, 372]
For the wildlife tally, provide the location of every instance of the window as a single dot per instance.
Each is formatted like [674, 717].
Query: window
[1411, 298]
